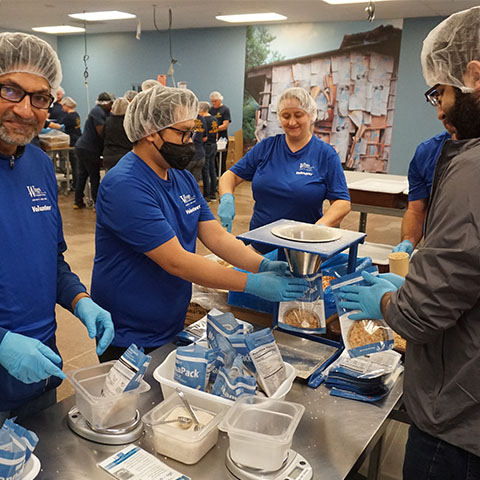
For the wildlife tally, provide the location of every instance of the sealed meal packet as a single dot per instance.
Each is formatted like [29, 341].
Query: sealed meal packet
[360, 336]
[193, 364]
[305, 314]
[127, 372]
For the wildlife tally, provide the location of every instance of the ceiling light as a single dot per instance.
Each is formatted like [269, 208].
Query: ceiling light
[251, 17]
[98, 16]
[344, 2]
[57, 29]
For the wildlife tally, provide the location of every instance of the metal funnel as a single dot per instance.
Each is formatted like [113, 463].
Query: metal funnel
[302, 263]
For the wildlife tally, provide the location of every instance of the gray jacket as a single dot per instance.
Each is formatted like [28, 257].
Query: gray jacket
[438, 308]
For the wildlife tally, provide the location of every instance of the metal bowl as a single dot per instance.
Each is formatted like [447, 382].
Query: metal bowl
[302, 263]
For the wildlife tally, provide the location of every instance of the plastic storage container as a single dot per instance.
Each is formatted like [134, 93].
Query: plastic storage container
[261, 431]
[164, 375]
[186, 446]
[103, 412]
[54, 139]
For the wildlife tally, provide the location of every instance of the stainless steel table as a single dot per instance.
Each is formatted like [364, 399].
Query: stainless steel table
[334, 435]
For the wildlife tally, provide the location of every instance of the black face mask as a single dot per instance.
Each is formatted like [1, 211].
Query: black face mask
[177, 156]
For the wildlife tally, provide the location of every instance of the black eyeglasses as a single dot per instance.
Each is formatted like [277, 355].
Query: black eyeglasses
[186, 134]
[13, 94]
[432, 95]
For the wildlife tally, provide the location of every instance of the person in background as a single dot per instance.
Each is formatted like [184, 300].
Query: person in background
[89, 147]
[291, 173]
[34, 275]
[222, 114]
[71, 126]
[209, 171]
[420, 179]
[130, 95]
[55, 112]
[437, 307]
[115, 141]
[150, 213]
[146, 84]
[199, 138]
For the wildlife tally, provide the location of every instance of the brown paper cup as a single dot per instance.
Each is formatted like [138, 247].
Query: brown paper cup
[399, 263]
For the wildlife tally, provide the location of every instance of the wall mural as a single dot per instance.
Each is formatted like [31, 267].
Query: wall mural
[354, 87]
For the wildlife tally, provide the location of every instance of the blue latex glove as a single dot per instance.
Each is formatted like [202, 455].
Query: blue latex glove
[405, 246]
[98, 322]
[274, 287]
[62, 126]
[273, 266]
[27, 359]
[366, 298]
[226, 210]
[397, 280]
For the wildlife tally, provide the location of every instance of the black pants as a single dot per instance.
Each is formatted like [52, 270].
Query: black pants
[88, 166]
[429, 458]
[209, 173]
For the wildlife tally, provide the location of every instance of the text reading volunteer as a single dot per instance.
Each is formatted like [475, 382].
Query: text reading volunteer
[149, 214]
[437, 308]
[34, 275]
[291, 174]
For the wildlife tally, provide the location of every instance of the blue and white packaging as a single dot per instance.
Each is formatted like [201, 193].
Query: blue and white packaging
[224, 324]
[192, 366]
[238, 343]
[16, 446]
[127, 372]
[268, 361]
[305, 314]
[361, 337]
[232, 382]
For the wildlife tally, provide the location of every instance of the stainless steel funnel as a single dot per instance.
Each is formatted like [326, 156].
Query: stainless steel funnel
[302, 263]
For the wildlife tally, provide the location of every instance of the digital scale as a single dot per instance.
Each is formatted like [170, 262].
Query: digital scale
[295, 467]
[117, 435]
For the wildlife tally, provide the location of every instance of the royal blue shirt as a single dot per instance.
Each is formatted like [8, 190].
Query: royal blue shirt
[138, 211]
[422, 166]
[291, 185]
[33, 273]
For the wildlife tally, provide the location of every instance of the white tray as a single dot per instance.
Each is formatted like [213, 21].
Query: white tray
[379, 185]
[31, 468]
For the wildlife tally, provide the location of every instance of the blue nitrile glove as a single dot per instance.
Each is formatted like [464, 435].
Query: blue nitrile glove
[226, 210]
[274, 287]
[98, 322]
[366, 298]
[405, 246]
[273, 266]
[397, 280]
[27, 359]
[62, 126]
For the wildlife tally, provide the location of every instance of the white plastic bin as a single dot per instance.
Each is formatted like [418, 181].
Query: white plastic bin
[261, 431]
[103, 412]
[164, 375]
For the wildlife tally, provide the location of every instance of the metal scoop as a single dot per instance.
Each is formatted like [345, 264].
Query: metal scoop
[198, 426]
[183, 422]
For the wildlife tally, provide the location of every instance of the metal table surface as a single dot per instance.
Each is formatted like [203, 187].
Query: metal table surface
[334, 435]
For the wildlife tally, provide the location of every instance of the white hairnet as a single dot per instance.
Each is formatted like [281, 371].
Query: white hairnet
[105, 98]
[68, 102]
[24, 53]
[130, 95]
[146, 84]
[305, 101]
[119, 106]
[449, 47]
[158, 108]
[204, 106]
[216, 96]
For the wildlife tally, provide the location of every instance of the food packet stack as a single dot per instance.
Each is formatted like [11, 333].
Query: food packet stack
[368, 378]
[16, 446]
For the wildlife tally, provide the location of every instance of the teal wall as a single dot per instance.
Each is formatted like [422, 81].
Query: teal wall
[208, 59]
[214, 59]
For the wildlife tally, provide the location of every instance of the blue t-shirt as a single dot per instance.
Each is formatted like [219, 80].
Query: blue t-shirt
[138, 211]
[422, 166]
[33, 274]
[291, 185]
[90, 139]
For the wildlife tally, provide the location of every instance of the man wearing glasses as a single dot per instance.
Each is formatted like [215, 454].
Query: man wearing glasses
[420, 179]
[150, 212]
[437, 309]
[33, 273]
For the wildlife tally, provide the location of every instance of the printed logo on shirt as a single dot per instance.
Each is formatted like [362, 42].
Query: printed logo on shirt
[187, 198]
[38, 195]
[305, 169]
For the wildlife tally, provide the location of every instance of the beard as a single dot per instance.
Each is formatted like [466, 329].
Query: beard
[465, 115]
[24, 135]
